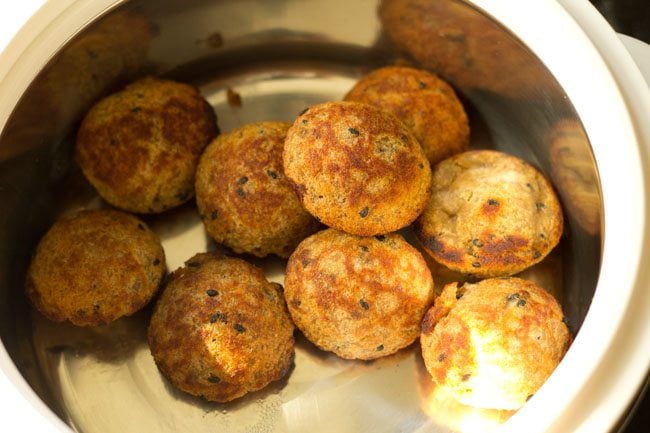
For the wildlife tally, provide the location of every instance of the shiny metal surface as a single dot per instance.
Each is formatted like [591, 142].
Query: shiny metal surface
[279, 57]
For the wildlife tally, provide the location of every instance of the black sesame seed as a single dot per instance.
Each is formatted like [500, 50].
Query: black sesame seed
[303, 111]
[156, 261]
[380, 348]
[239, 328]
[477, 243]
[211, 292]
[422, 85]
[512, 297]
[466, 377]
[136, 109]
[529, 186]
[540, 206]
[521, 303]
[364, 248]
[218, 317]
[442, 357]
[242, 180]
[363, 212]
[459, 295]
[213, 379]
[493, 202]
[421, 165]
[305, 121]
[214, 214]
[272, 174]
[241, 192]
[141, 227]
[353, 131]
[380, 238]
[541, 235]
[364, 304]
[537, 254]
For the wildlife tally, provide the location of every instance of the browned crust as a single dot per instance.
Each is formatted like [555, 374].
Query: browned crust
[490, 214]
[243, 196]
[359, 297]
[95, 266]
[220, 329]
[508, 325]
[427, 105]
[356, 168]
[139, 147]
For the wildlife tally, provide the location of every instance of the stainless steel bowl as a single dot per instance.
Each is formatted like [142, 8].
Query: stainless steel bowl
[549, 82]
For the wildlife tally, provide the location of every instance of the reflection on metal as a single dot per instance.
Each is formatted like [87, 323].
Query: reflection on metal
[460, 44]
[280, 56]
[112, 51]
[572, 171]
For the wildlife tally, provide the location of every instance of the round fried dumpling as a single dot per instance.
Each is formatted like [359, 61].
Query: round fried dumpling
[245, 201]
[95, 266]
[426, 104]
[359, 297]
[220, 330]
[490, 214]
[140, 147]
[356, 168]
[494, 343]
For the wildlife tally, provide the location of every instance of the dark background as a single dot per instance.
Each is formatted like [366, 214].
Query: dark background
[631, 17]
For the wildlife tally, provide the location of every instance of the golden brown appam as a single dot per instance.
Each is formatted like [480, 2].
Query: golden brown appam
[245, 201]
[490, 214]
[426, 104]
[220, 330]
[359, 297]
[494, 343]
[140, 147]
[356, 168]
[95, 266]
